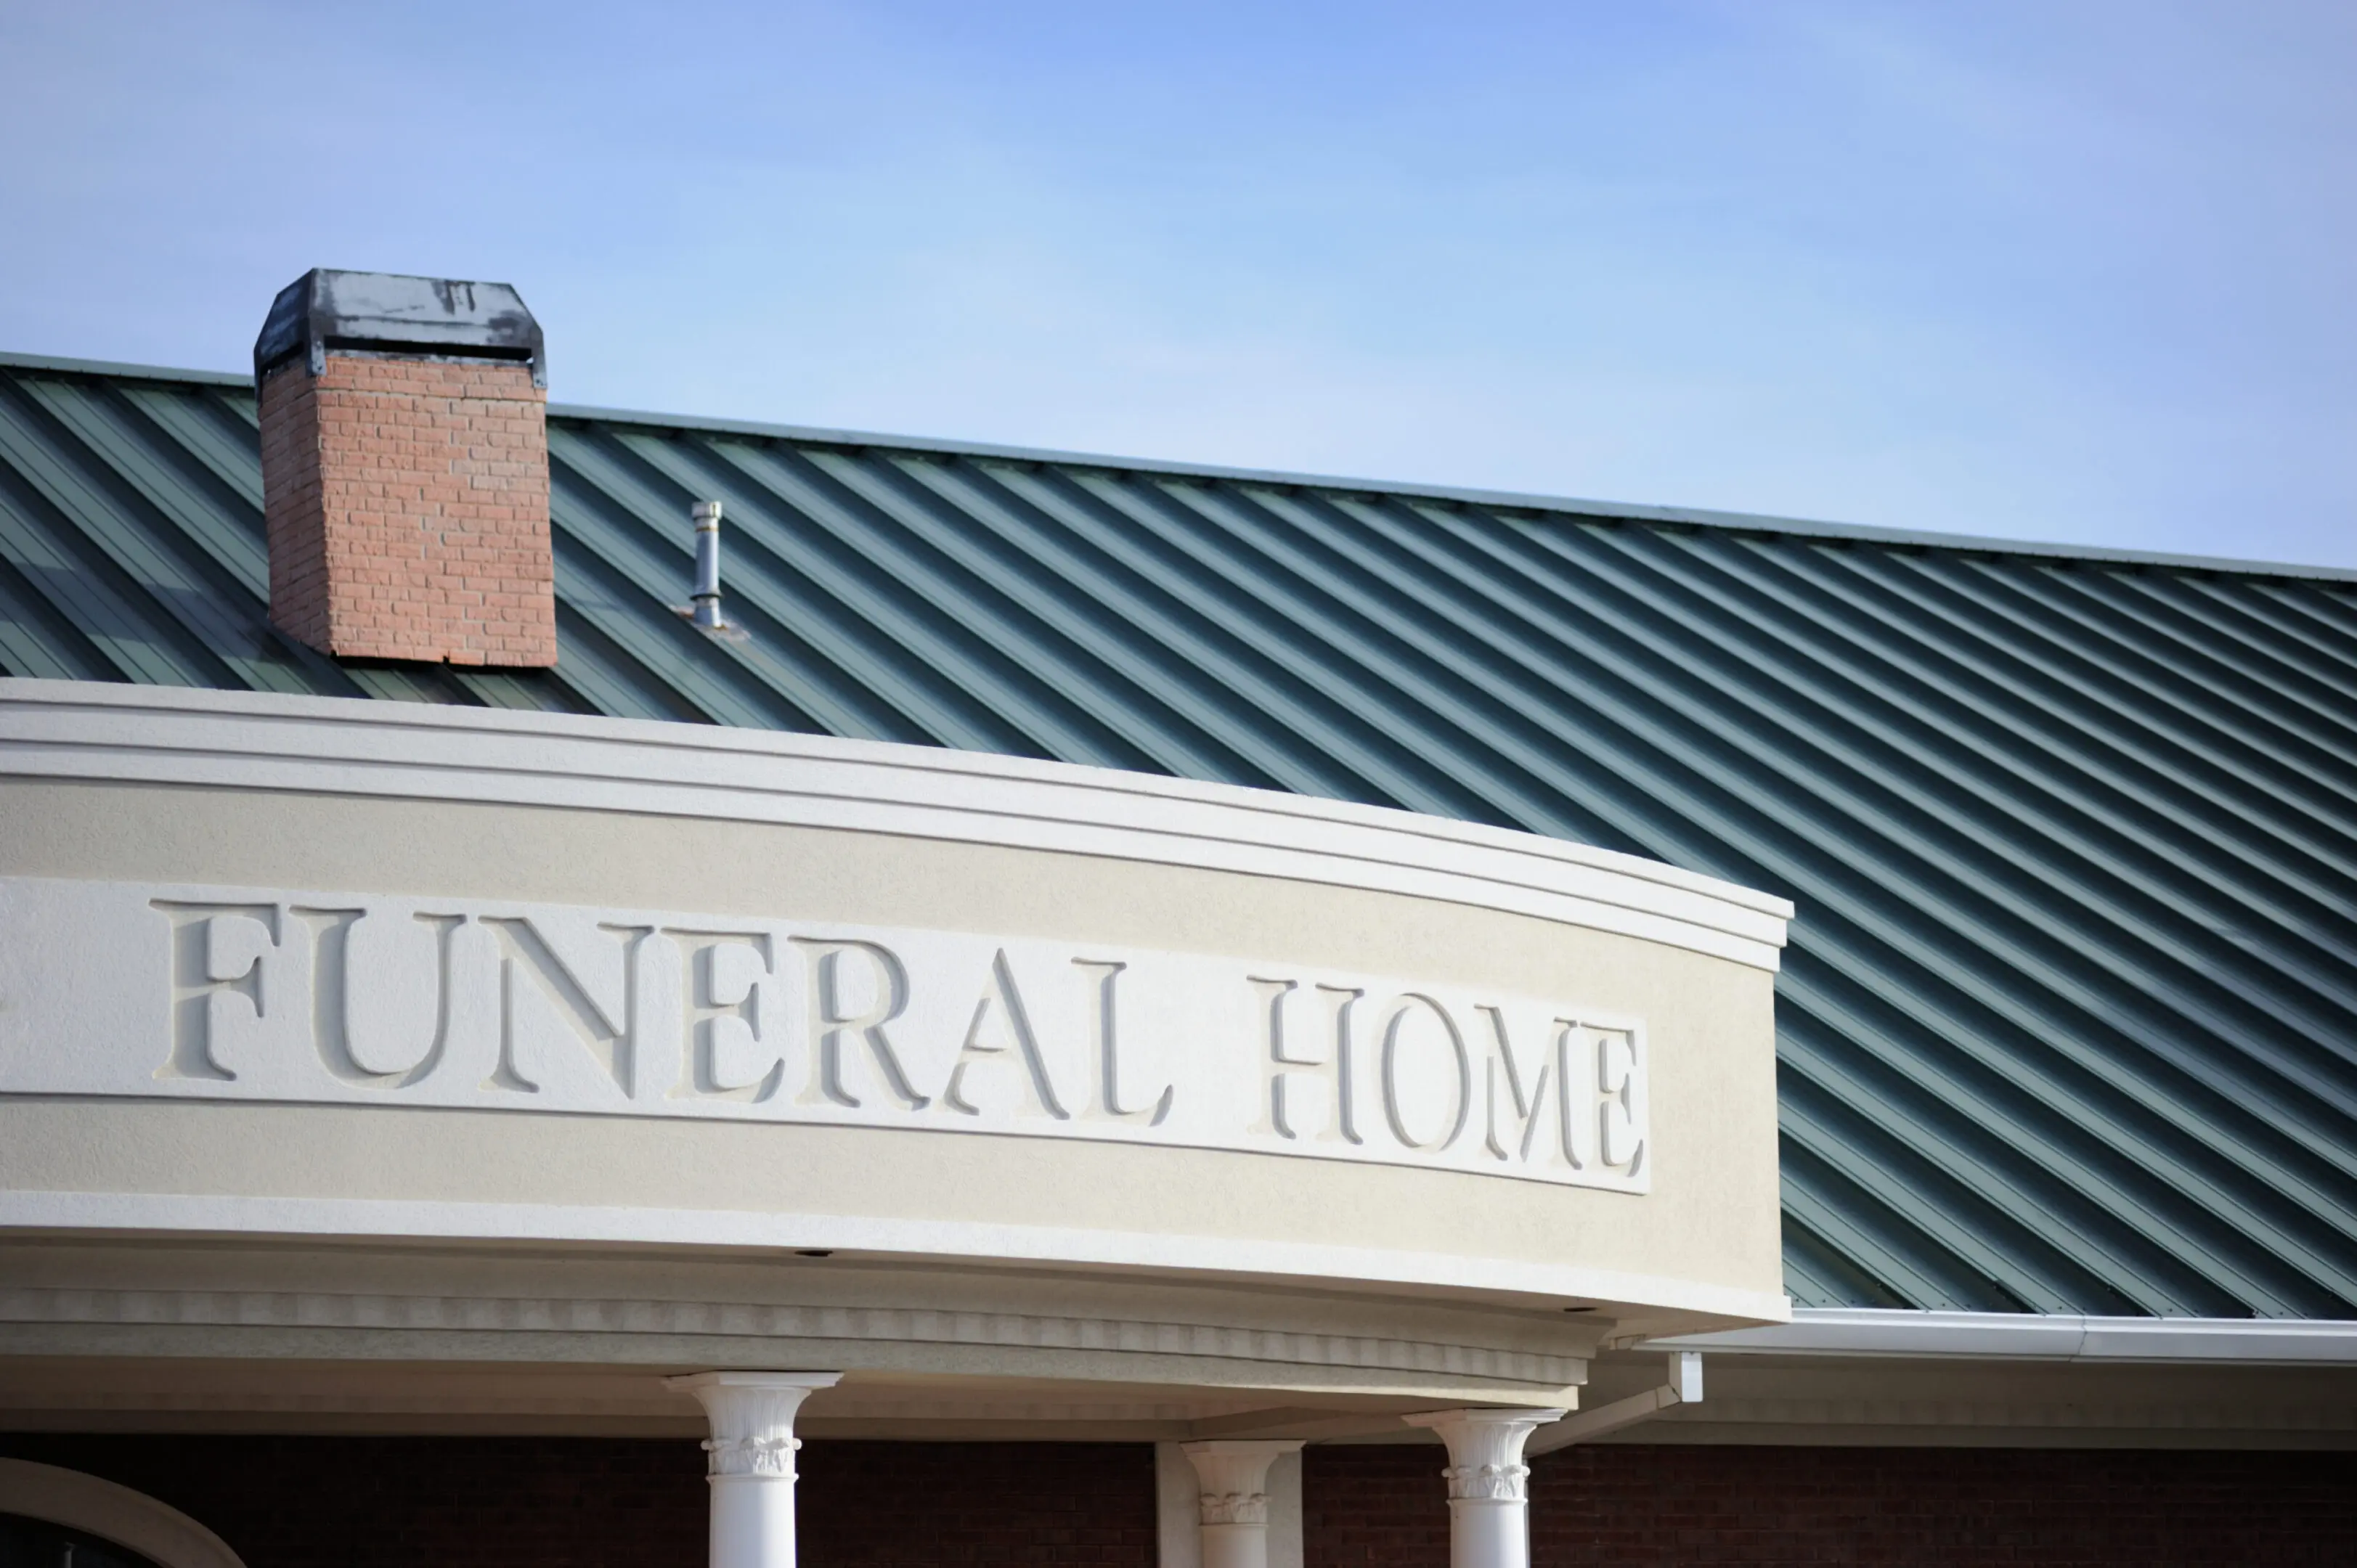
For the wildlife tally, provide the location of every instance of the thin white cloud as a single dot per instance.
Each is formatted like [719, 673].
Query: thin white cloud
[2077, 270]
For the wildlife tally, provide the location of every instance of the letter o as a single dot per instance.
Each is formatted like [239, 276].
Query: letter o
[1395, 1016]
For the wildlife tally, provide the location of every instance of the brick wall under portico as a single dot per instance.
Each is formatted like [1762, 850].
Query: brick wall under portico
[1639, 1505]
[398, 1502]
[406, 502]
[533, 1502]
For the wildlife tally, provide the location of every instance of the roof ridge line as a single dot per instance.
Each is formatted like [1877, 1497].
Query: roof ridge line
[12, 360]
[1565, 506]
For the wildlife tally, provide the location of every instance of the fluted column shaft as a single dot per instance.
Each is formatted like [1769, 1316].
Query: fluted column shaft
[751, 1461]
[1488, 1485]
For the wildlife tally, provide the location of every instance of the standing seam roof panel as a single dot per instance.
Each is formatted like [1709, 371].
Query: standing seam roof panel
[2068, 1018]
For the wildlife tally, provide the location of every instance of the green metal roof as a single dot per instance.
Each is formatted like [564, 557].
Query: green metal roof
[2068, 1018]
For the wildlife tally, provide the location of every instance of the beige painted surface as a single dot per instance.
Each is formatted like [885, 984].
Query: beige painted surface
[1702, 1244]
[957, 1342]
[1876, 1402]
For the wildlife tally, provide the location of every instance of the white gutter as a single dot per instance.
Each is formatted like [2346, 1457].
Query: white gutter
[2037, 1337]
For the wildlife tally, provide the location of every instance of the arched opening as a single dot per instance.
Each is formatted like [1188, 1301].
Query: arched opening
[53, 1518]
[38, 1543]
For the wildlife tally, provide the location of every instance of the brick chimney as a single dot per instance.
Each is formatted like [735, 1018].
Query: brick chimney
[405, 469]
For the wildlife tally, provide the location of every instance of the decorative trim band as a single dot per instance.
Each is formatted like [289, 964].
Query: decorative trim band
[1488, 1483]
[1232, 1507]
[88, 730]
[932, 1238]
[772, 1456]
[892, 1324]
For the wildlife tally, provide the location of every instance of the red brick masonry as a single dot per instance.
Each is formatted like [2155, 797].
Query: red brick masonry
[426, 1502]
[407, 506]
[530, 1502]
[1637, 1504]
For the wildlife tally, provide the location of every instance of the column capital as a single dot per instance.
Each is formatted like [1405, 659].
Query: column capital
[1233, 1475]
[752, 1419]
[1485, 1450]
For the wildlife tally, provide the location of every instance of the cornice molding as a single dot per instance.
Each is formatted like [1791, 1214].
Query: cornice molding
[330, 745]
[528, 1315]
[934, 1240]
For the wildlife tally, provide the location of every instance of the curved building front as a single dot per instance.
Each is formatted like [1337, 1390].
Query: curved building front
[428, 1066]
[545, 967]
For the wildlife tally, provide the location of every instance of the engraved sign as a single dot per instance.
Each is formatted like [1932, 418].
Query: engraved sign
[110, 988]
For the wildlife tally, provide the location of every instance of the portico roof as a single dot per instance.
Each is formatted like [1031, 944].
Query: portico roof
[2068, 1019]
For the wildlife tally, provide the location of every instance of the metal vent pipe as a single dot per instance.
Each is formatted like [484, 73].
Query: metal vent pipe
[707, 564]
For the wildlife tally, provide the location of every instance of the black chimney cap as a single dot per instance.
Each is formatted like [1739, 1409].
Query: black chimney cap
[391, 313]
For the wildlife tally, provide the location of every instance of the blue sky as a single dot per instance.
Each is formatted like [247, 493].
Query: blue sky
[2075, 270]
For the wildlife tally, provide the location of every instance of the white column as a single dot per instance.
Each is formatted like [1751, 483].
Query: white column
[1232, 1502]
[751, 1464]
[1488, 1485]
